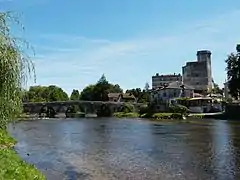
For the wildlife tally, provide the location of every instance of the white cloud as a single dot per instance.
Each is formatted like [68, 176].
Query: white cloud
[75, 61]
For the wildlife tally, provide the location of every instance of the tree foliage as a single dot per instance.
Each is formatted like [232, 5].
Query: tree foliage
[141, 95]
[178, 109]
[233, 73]
[46, 94]
[216, 89]
[100, 90]
[15, 69]
[75, 95]
[146, 87]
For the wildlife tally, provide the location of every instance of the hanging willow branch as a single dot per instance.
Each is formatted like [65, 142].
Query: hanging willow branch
[15, 69]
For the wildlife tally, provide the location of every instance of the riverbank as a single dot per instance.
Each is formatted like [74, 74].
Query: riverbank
[156, 116]
[163, 115]
[125, 115]
[11, 165]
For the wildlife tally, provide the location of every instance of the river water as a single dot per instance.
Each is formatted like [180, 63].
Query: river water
[130, 149]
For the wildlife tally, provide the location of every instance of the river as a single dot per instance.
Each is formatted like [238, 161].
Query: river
[130, 149]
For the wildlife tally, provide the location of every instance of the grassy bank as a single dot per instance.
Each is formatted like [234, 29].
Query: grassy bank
[126, 115]
[158, 116]
[155, 116]
[11, 165]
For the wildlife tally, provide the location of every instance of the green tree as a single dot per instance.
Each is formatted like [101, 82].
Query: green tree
[56, 94]
[102, 80]
[75, 95]
[146, 88]
[46, 94]
[15, 68]
[87, 93]
[141, 95]
[216, 89]
[233, 73]
[136, 92]
[100, 90]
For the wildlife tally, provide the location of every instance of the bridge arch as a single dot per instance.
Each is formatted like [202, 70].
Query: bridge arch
[75, 108]
[71, 109]
[104, 111]
[47, 111]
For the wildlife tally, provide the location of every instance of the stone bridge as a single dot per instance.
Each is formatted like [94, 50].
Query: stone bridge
[88, 107]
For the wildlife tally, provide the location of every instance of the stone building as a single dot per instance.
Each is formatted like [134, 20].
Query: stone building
[159, 81]
[198, 74]
[173, 90]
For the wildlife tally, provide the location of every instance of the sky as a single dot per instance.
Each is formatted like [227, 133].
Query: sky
[77, 41]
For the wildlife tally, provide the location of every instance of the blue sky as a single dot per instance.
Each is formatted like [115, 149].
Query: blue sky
[129, 40]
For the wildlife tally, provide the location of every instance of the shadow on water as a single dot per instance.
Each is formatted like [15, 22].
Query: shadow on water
[130, 149]
[71, 173]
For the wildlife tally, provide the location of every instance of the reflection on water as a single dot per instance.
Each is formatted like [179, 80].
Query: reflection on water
[111, 149]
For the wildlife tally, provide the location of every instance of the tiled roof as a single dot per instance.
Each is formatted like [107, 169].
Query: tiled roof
[128, 96]
[124, 96]
[177, 85]
[114, 95]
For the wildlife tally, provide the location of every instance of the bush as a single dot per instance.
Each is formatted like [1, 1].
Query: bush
[126, 115]
[167, 116]
[183, 101]
[127, 108]
[143, 110]
[178, 109]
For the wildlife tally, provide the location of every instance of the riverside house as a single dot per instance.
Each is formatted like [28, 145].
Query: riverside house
[121, 97]
[173, 90]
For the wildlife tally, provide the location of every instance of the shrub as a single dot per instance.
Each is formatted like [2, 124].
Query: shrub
[127, 108]
[143, 110]
[183, 101]
[126, 115]
[178, 109]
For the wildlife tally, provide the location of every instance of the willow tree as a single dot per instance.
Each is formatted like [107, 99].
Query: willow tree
[15, 68]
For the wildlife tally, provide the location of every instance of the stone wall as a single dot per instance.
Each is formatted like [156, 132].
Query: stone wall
[198, 74]
[85, 106]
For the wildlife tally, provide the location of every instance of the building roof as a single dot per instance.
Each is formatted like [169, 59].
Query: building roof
[124, 95]
[178, 85]
[168, 75]
[201, 98]
[203, 52]
[114, 95]
[128, 96]
[215, 95]
[198, 95]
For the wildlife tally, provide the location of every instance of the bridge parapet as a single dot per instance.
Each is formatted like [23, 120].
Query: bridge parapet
[62, 106]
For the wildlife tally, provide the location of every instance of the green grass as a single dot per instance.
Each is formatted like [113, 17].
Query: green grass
[12, 167]
[166, 116]
[158, 116]
[5, 140]
[126, 115]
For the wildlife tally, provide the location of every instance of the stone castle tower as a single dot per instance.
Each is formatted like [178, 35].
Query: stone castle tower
[198, 74]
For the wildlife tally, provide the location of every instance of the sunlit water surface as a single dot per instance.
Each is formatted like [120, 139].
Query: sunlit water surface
[131, 149]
